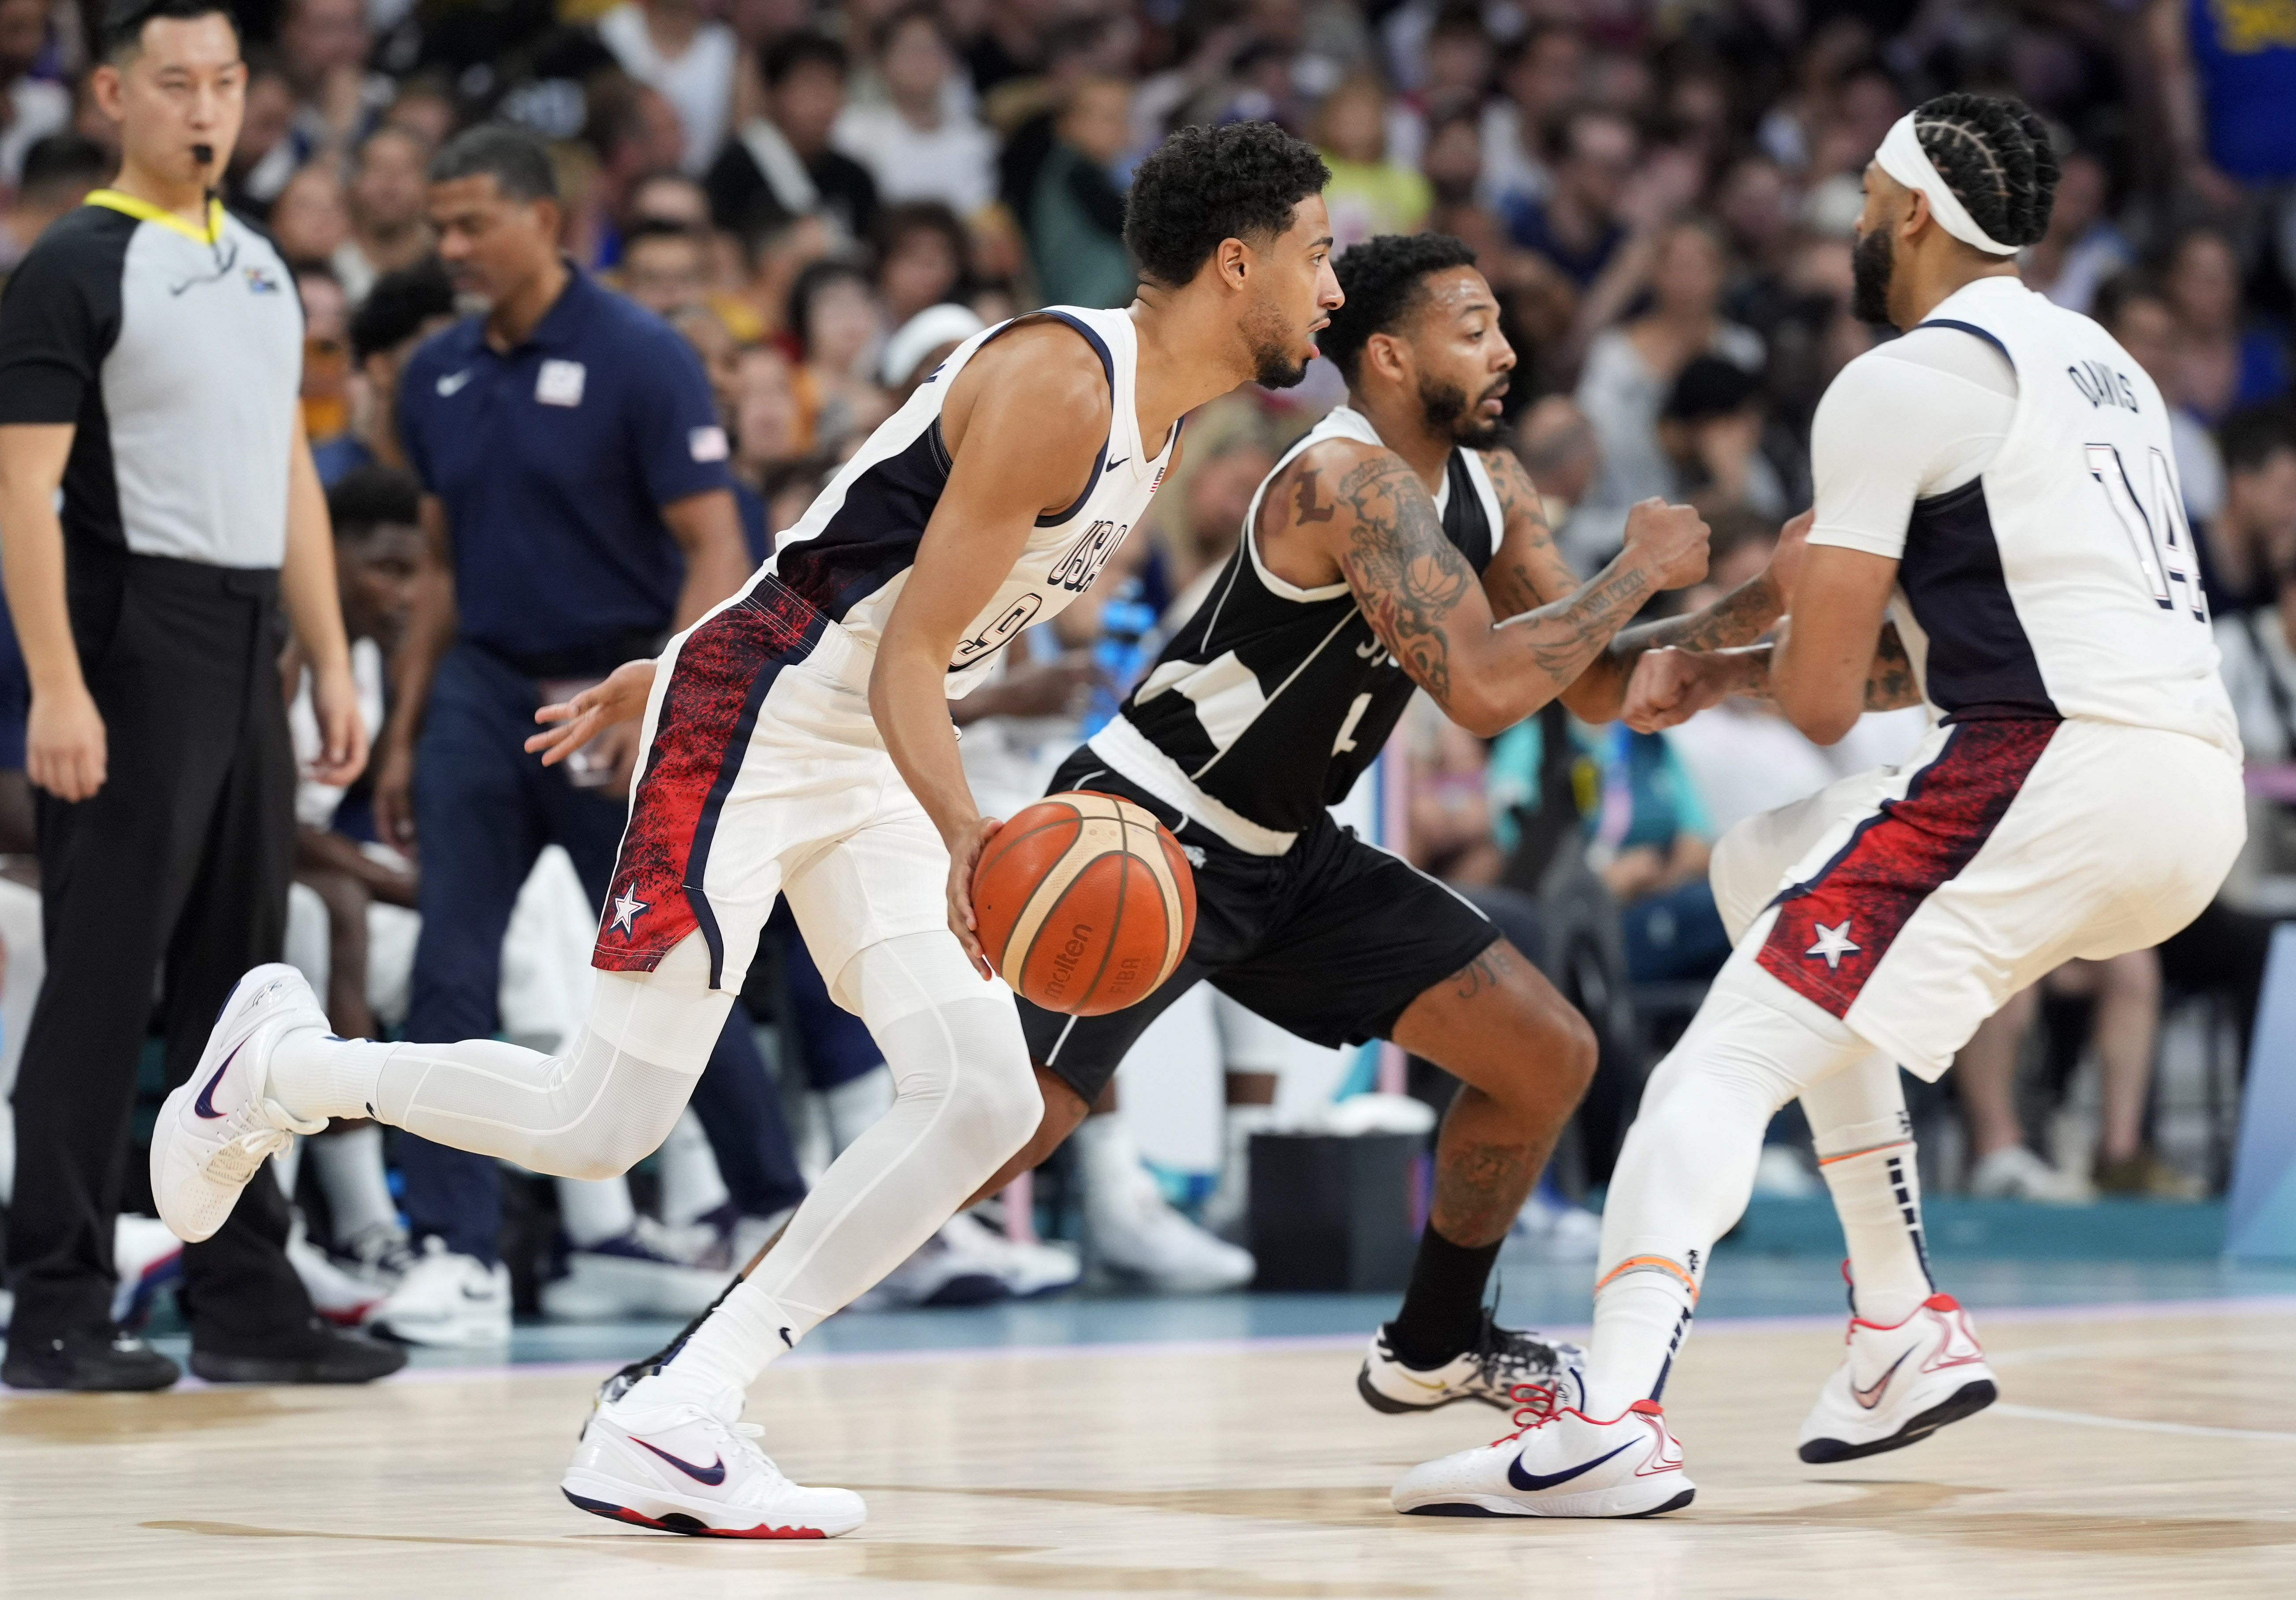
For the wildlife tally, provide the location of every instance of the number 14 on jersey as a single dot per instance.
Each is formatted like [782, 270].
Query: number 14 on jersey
[2155, 525]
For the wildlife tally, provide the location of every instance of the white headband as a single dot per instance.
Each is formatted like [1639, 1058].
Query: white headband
[1902, 157]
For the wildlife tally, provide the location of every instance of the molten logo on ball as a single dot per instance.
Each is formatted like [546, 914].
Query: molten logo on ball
[1085, 903]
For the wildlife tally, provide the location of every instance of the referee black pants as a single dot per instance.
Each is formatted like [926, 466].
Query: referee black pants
[173, 875]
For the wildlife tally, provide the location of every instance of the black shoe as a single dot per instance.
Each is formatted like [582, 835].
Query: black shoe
[325, 1356]
[90, 1360]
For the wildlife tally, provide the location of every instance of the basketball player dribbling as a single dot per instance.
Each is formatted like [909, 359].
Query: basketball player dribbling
[2000, 481]
[798, 743]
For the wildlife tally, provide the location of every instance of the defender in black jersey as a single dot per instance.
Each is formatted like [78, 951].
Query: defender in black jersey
[1398, 546]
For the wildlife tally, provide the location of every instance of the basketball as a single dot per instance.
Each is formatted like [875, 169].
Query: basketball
[1083, 903]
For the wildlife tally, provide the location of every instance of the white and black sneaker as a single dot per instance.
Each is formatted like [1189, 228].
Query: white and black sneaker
[1898, 1383]
[685, 1469]
[1501, 1360]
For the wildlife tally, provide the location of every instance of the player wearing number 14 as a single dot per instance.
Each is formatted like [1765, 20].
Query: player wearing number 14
[1999, 483]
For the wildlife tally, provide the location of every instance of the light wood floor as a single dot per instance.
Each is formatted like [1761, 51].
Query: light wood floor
[1240, 1472]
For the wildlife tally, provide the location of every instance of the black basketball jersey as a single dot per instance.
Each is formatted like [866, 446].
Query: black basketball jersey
[1270, 702]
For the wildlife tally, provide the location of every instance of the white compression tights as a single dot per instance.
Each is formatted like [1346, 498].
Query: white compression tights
[592, 1112]
[965, 1100]
[1856, 1117]
[1688, 1166]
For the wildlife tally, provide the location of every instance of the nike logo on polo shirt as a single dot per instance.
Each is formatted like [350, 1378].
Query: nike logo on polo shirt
[452, 382]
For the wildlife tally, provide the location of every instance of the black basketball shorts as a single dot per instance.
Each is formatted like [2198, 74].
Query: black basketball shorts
[1332, 940]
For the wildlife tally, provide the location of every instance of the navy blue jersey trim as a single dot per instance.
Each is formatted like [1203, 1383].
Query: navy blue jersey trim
[1971, 329]
[705, 830]
[1108, 370]
[1794, 891]
[1979, 657]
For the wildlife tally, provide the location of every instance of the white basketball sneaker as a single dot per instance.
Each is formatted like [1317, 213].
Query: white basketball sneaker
[1503, 1360]
[216, 1128]
[1898, 1384]
[1562, 1463]
[446, 1299]
[684, 1470]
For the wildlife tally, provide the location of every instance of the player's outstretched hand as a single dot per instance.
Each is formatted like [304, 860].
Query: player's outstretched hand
[1669, 687]
[1672, 539]
[963, 858]
[573, 724]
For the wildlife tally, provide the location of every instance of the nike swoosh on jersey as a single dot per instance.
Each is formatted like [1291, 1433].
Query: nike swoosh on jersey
[1531, 1480]
[713, 1475]
[1871, 1397]
[453, 382]
[1118, 462]
[204, 1106]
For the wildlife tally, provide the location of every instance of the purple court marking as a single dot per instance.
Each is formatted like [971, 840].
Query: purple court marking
[1721, 1327]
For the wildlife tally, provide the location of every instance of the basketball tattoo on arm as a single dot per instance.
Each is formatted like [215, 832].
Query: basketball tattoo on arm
[1407, 576]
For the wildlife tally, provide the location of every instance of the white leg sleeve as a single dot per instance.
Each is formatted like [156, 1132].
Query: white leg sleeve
[965, 1100]
[1857, 1117]
[592, 1112]
[1687, 1171]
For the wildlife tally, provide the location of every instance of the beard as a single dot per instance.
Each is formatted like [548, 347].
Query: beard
[1449, 414]
[1270, 339]
[1872, 265]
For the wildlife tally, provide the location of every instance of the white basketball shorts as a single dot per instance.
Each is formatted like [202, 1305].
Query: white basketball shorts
[764, 774]
[1912, 902]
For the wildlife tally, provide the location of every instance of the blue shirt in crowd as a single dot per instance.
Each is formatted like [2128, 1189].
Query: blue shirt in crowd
[552, 462]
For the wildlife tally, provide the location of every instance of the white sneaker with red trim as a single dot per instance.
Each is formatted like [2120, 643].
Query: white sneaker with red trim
[1562, 1463]
[684, 1470]
[1900, 1383]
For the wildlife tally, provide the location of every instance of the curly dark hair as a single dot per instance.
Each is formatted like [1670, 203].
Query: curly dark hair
[1205, 185]
[1996, 156]
[1384, 279]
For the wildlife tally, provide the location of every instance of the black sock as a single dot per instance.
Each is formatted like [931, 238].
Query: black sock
[1443, 1309]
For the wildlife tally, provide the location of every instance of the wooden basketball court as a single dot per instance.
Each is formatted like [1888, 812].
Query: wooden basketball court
[2136, 1452]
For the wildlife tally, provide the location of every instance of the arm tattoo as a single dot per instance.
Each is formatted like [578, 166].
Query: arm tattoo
[1407, 575]
[1303, 499]
[1512, 587]
[1740, 617]
[1890, 685]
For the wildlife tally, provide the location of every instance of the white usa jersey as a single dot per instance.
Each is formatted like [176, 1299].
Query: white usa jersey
[2062, 581]
[852, 552]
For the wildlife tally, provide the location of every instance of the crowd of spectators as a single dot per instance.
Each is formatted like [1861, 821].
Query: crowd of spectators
[824, 198]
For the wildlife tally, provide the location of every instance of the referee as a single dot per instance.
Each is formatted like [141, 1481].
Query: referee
[150, 358]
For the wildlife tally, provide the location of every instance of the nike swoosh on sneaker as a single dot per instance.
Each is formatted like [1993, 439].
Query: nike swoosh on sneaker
[1531, 1480]
[1871, 1397]
[204, 1106]
[713, 1475]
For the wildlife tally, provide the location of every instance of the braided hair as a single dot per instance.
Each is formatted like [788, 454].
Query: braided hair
[1996, 156]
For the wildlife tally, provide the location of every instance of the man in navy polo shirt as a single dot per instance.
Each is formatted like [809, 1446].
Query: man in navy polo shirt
[578, 509]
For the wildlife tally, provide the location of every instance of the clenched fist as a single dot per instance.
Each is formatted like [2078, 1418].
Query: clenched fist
[1671, 538]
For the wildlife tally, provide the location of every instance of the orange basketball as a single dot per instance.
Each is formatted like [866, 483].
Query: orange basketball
[1083, 902]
